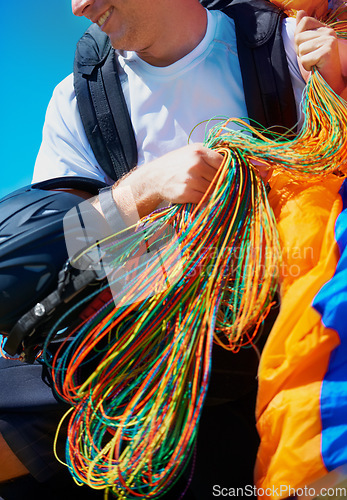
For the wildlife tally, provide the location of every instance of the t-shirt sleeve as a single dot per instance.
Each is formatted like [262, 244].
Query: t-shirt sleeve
[298, 83]
[65, 150]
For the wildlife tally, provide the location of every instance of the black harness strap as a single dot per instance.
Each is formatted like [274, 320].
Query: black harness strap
[265, 74]
[102, 105]
[116, 101]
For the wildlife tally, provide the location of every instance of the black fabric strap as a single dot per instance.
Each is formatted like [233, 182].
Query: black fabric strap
[123, 148]
[107, 126]
[265, 74]
[87, 184]
[268, 91]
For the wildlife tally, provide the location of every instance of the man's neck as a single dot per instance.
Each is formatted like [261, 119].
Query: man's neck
[182, 30]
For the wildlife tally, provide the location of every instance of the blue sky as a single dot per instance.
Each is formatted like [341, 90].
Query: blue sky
[37, 43]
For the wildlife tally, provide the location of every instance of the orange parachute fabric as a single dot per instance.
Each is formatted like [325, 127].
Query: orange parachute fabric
[297, 352]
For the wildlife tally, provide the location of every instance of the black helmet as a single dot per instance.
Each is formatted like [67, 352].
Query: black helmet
[32, 243]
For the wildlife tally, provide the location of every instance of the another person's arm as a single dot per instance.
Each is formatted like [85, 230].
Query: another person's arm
[317, 45]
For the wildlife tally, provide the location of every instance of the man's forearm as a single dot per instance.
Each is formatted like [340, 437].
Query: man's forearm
[136, 194]
[181, 176]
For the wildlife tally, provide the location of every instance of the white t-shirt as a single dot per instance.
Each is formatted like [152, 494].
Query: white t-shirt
[165, 103]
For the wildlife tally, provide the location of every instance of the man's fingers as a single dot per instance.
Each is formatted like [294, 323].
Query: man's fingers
[264, 170]
[212, 158]
[320, 35]
[300, 15]
[309, 47]
[208, 172]
[305, 22]
[199, 184]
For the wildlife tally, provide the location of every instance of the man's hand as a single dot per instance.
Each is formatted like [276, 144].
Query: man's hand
[184, 175]
[317, 45]
[181, 176]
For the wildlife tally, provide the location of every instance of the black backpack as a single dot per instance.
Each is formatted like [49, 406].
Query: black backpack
[266, 80]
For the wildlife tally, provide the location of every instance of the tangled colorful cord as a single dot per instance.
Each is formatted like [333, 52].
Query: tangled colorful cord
[136, 373]
[136, 413]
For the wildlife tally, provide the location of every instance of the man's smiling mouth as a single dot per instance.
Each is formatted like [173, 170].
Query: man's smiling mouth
[104, 17]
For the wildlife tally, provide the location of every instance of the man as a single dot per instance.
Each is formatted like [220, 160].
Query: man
[178, 66]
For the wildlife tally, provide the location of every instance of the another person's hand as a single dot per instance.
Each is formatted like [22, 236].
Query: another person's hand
[317, 45]
[264, 170]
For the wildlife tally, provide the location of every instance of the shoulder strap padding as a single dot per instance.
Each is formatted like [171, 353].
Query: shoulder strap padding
[266, 79]
[92, 50]
[102, 105]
